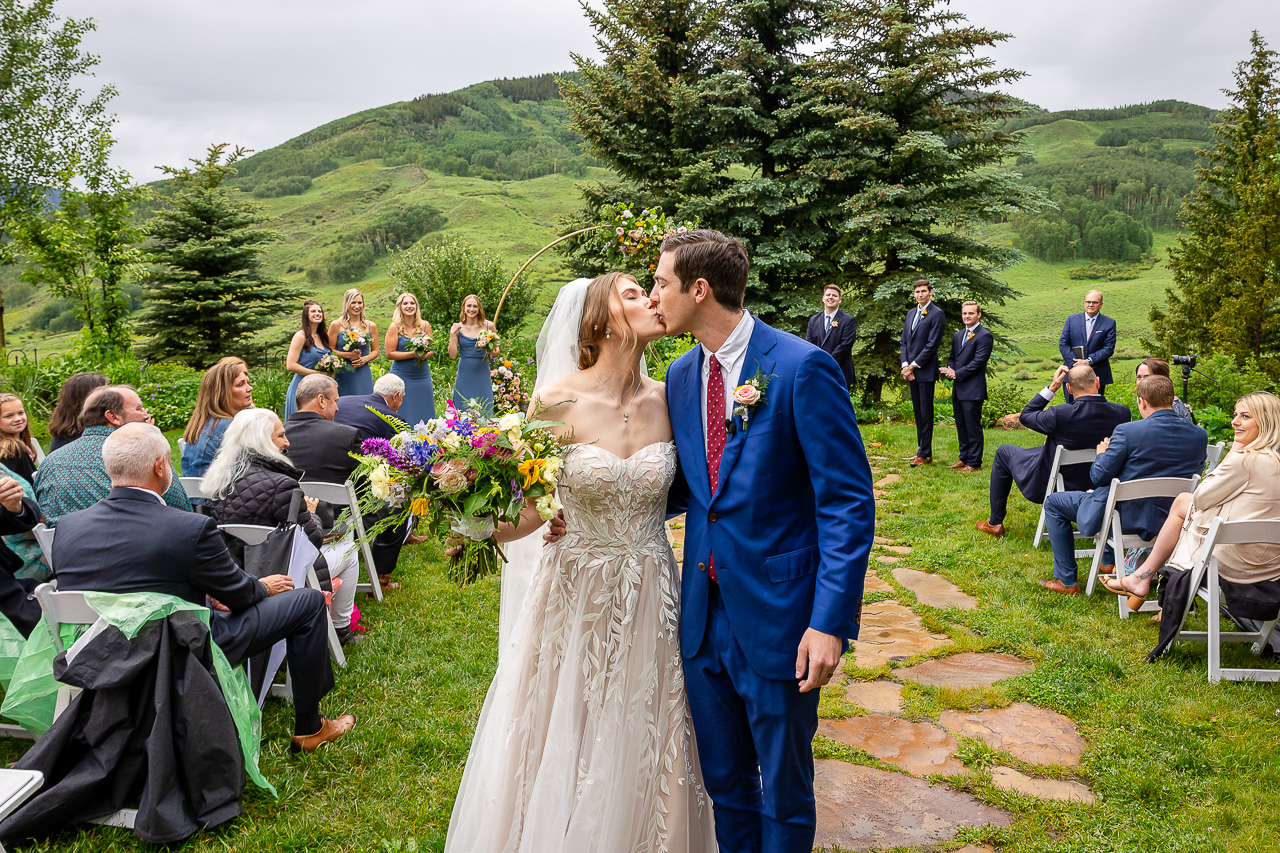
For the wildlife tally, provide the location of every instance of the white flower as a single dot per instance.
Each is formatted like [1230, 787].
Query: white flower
[508, 422]
[628, 215]
[380, 482]
[451, 441]
[554, 464]
[548, 506]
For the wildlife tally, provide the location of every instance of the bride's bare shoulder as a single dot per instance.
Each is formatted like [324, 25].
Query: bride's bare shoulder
[560, 394]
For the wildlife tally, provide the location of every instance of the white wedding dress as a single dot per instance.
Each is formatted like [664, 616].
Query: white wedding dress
[585, 744]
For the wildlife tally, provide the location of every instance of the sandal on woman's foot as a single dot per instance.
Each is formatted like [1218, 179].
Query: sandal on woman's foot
[387, 583]
[1135, 601]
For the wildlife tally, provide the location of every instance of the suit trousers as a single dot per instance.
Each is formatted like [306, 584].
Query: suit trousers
[1002, 479]
[922, 410]
[297, 616]
[968, 414]
[1060, 510]
[755, 744]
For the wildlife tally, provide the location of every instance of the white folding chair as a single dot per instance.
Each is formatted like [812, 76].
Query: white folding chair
[182, 447]
[16, 787]
[340, 495]
[1205, 570]
[254, 534]
[193, 486]
[1213, 456]
[44, 538]
[38, 449]
[1112, 533]
[1061, 459]
[70, 608]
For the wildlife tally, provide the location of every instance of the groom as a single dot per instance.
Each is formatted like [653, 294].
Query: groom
[780, 519]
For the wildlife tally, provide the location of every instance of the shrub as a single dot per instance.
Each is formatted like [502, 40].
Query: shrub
[350, 263]
[18, 294]
[441, 276]
[270, 384]
[1231, 381]
[1002, 399]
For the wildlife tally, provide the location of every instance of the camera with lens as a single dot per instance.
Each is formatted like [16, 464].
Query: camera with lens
[1188, 360]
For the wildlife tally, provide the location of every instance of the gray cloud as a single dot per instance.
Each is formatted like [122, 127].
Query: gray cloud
[194, 72]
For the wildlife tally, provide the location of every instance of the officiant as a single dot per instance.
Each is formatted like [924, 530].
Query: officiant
[834, 331]
[1089, 338]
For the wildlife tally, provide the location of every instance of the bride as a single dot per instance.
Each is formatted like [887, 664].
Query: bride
[585, 741]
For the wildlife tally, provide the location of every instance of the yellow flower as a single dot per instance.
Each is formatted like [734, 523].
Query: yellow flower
[532, 470]
[419, 506]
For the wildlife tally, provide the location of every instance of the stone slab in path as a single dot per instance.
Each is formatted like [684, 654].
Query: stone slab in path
[862, 808]
[874, 583]
[881, 697]
[890, 560]
[880, 540]
[891, 632]
[1062, 790]
[1027, 732]
[919, 748]
[887, 480]
[934, 590]
[898, 549]
[966, 670]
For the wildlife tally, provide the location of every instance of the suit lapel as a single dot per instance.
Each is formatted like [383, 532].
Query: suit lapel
[686, 396]
[763, 340]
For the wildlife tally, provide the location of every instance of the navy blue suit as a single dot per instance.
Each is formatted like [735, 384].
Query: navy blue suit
[1160, 445]
[969, 357]
[353, 411]
[837, 341]
[920, 347]
[790, 525]
[1098, 348]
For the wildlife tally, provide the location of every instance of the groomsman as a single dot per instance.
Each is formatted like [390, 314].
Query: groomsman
[921, 335]
[834, 331]
[967, 367]
[1090, 338]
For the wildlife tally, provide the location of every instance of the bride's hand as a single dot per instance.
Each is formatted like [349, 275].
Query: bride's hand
[555, 529]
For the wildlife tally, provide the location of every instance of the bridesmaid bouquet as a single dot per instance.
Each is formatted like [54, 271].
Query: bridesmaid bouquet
[353, 339]
[489, 342]
[419, 345]
[330, 364]
[464, 474]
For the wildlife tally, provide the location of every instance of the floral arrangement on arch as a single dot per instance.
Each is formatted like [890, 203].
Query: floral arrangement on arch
[633, 242]
[463, 473]
[508, 388]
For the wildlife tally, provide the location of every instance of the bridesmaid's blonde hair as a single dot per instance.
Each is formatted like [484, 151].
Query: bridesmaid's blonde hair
[397, 316]
[347, 299]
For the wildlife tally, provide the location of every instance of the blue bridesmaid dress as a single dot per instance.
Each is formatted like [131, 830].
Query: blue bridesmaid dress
[474, 381]
[307, 358]
[419, 391]
[358, 381]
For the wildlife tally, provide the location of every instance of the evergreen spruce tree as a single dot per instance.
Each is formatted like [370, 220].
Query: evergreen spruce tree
[208, 293]
[1226, 267]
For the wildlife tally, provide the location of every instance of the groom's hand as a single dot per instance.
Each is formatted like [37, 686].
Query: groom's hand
[818, 655]
[555, 529]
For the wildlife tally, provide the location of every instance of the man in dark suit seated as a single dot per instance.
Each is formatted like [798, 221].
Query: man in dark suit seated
[130, 541]
[834, 331]
[1094, 333]
[17, 515]
[921, 336]
[1160, 445]
[388, 394]
[967, 368]
[1079, 424]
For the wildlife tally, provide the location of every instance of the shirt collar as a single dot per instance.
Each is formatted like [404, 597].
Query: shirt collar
[734, 346]
[146, 492]
[974, 327]
[925, 307]
[832, 312]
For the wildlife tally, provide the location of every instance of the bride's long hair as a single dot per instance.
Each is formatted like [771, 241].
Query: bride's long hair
[597, 312]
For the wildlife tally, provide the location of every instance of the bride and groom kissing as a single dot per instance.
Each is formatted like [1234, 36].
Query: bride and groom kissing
[632, 700]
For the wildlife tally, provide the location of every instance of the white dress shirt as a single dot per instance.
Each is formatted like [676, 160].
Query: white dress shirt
[147, 492]
[730, 356]
[968, 330]
[920, 309]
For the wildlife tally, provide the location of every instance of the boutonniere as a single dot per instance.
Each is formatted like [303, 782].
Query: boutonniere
[924, 312]
[969, 336]
[748, 395]
[835, 323]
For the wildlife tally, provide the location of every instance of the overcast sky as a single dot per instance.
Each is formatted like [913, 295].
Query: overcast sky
[193, 72]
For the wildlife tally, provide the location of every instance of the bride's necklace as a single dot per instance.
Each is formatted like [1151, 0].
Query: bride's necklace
[625, 414]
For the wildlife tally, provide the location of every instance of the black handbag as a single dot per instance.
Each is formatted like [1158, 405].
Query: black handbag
[271, 555]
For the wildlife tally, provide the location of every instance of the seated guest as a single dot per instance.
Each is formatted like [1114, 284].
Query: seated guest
[132, 542]
[1160, 445]
[17, 453]
[18, 514]
[73, 477]
[252, 482]
[224, 391]
[1160, 367]
[64, 425]
[24, 545]
[1079, 424]
[387, 396]
[1245, 486]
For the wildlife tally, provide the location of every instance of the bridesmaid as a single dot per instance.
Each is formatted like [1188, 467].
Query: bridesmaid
[358, 379]
[411, 366]
[308, 346]
[474, 381]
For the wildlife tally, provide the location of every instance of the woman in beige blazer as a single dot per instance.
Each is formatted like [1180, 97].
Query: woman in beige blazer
[1245, 486]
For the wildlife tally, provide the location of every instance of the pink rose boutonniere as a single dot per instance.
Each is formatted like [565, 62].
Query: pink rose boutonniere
[749, 395]
[969, 336]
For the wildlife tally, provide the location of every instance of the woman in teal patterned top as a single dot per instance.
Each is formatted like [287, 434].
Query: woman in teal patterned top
[408, 340]
[354, 339]
[474, 382]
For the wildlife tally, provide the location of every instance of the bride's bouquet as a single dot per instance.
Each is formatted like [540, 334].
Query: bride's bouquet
[463, 473]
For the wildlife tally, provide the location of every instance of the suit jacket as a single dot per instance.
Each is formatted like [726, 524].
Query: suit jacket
[112, 547]
[1160, 445]
[837, 341]
[1098, 348]
[1078, 425]
[353, 411]
[969, 361]
[792, 519]
[921, 346]
[322, 449]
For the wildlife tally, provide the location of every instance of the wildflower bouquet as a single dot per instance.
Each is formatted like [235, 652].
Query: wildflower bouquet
[352, 340]
[419, 345]
[490, 343]
[463, 473]
[330, 364]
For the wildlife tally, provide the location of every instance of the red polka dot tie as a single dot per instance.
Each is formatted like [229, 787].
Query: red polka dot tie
[716, 434]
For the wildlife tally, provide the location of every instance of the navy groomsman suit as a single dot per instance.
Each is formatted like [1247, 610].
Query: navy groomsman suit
[836, 338]
[921, 336]
[970, 352]
[1099, 343]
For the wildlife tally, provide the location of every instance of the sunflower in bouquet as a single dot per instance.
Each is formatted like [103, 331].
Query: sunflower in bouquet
[466, 474]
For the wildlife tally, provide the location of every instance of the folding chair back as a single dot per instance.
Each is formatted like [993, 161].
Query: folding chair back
[344, 495]
[1061, 459]
[44, 538]
[193, 486]
[182, 447]
[1213, 456]
[35, 445]
[1112, 533]
[1205, 570]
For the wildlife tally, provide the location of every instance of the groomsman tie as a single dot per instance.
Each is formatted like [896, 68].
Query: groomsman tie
[916, 321]
[716, 436]
[828, 322]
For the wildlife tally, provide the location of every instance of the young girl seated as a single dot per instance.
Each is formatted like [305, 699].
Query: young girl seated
[17, 452]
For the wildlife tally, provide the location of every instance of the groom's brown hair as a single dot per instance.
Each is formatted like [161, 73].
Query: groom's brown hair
[706, 254]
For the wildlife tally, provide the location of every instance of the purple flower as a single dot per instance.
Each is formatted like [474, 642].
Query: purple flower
[382, 448]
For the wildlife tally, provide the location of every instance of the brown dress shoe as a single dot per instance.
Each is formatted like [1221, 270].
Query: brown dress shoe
[987, 527]
[329, 730]
[969, 469]
[959, 463]
[1055, 585]
[916, 461]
